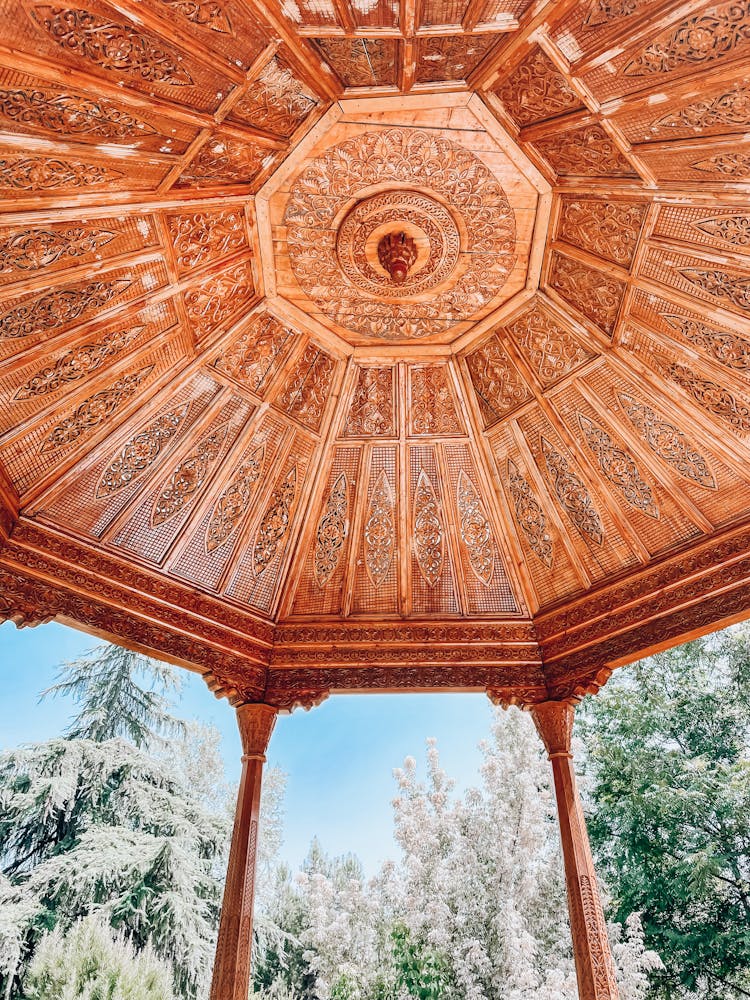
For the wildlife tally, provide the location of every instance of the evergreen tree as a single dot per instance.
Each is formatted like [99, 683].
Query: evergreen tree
[89, 963]
[668, 744]
[95, 824]
[107, 683]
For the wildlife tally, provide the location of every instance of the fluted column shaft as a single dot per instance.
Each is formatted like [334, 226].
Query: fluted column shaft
[232, 966]
[593, 958]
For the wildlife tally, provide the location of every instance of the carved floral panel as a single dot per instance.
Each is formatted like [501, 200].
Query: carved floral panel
[497, 382]
[572, 493]
[609, 229]
[597, 295]
[252, 358]
[550, 348]
[475, 529]
[587, 152]
[275, 522]
[619, 467]
[188, 477]
[380, 530]
[277, 101]
[372, 409]
[432, 409]
[200, 237]
[234, 501]
[141, 451]
[529, 515]
[428, 530]
[535, 90]
[332, 530]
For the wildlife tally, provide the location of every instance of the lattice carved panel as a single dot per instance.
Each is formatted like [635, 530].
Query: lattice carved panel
[707, 110]
[433, 587]
[361, 62]
[254, 356]
[452, 57]
[725, 228]
[724, 285]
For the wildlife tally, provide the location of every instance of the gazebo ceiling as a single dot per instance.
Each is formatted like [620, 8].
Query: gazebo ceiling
[376, 345]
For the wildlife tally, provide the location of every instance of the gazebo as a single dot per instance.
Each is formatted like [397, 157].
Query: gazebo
[378, 345]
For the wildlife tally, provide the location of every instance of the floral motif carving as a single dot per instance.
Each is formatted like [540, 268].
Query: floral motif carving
[450, 57]
[619, 467]
[234, 501]
[69, 114]
[77, 363]
[203, 13]
[609, 229]
[307, 390]
[141, 451]
[56, 309]
[572, 493]
[32, 249]
[475, 530]
[380, 530]
[709, 394]
[332, 530]
[275, 522]
[729, 164]
[535, 90]
[188, 476]
[736, 289]
[724, 346]
[371, 412]
[218, 297]
[409, 158]
[601, 12]
[733, 229]
[361, 62]
[226, 161]
[529, 515]
[551, 350]
[497, 382]
[732, 108]
[432, 410]
[111, 46]
[250, 359]
[594, 293]
[200, 236]
[428, 530]
[700, 39]
[588, 152]
[94, 411]
[276, 101]
[37, 173]
[667, 441]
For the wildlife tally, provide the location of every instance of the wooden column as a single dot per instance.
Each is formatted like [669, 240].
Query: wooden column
[232, 966]
[594, 966]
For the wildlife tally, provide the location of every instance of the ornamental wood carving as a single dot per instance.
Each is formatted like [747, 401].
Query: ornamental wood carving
[607, 229]
[218, 297]
[497, 382]
[667, 441]
[428, 530]
[619, 467]
[305, 393]
[733, 229]
[529, 515]
[535, 91]
[141, 451]
[275, 522]
[333, 528]
[95, 410]
[572, 493]
[276, 102]
[401, 159]
[710, 35]
[475, 529]
[551, 350]
[588, 152]
[432, 409]
[253, 357]
[233, 504]
[595, 294]
[731, 108]
[714, 398]
[226, 161]
[35, 249]
[203, 236]
[74, 115]
[39, 173]
[724, 346]
[59, 308]
[111, 45]
[725, 164]
[372, 411]
[733, 288]
[188, 477]
[380, 530]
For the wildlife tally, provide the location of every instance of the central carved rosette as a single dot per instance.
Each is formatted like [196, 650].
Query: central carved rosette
[397, 252]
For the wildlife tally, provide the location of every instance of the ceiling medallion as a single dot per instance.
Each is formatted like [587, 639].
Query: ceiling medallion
[388, 182]
[397, 252]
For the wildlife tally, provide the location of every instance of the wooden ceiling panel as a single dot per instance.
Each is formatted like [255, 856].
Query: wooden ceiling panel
[272, 354]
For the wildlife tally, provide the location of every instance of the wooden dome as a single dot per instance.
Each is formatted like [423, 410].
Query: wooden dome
[376, 344]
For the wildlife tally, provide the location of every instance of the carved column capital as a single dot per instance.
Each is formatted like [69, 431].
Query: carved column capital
[256, 722]
[554, 723]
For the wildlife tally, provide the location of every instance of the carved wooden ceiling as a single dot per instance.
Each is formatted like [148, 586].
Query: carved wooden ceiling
[228, 433]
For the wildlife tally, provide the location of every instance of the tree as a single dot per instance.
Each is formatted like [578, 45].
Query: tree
[668, 745]
[96, 824]
[91, 964]
[105, 684]
[474, 909]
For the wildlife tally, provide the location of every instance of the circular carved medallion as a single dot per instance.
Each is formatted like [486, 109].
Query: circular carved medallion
[406, 180]
[424, 219]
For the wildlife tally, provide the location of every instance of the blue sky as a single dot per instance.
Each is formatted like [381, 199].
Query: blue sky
[338, 757]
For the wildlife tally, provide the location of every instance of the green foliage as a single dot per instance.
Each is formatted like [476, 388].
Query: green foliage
[421, 972]
[668, 744]
[89, 963]
[107, 684]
